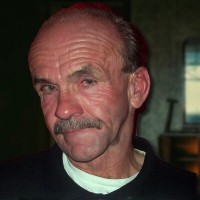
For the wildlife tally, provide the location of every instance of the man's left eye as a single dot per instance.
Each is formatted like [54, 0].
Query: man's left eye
[88, 82]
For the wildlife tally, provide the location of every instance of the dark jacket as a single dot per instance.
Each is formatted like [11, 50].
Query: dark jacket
[42, 177]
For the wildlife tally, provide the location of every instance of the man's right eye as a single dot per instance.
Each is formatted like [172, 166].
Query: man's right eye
[47, 89]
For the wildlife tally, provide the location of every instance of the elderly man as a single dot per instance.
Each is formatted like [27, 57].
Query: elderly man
[88, 68]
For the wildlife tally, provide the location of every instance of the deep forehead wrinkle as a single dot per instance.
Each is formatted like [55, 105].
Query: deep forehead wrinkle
[87, 70]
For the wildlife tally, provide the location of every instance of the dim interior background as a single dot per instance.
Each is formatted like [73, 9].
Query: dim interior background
[167, 25]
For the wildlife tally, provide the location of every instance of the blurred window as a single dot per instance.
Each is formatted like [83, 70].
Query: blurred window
[192, 81]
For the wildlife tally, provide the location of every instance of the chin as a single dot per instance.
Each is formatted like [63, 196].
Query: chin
[81, 159]
[81, 149]
[84, 154]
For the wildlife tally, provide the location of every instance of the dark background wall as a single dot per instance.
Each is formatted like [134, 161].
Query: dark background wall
[21, 129]
[166, 25]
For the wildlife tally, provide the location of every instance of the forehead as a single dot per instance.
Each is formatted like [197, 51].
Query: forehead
[74, 42]
[63, 31]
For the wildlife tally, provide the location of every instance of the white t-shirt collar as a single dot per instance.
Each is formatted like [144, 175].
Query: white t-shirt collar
[93, 183]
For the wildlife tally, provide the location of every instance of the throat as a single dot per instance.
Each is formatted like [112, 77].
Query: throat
[94, 183]
[124, 166]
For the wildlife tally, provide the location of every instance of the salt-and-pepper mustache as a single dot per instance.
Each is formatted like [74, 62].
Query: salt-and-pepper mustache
[72, 124]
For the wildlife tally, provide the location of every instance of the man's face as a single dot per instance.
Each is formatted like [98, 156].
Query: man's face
[76, 70]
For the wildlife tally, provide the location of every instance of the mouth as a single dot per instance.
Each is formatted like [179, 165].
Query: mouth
[69, 131]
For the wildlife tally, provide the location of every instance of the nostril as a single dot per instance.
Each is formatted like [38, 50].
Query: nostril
[67, 106]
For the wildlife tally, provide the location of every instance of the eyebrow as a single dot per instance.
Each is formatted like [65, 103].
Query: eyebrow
[41, 80]
[85, 70]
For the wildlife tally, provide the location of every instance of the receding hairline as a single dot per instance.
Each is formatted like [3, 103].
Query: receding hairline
[59, 20]
[66, 17]
[80, 10]
[54, 23]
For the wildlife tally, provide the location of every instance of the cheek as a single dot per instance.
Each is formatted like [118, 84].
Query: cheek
[48, 106]
[47, 100]
[108, 103]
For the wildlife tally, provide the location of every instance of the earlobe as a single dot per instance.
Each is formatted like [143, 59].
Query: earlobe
[139, 85]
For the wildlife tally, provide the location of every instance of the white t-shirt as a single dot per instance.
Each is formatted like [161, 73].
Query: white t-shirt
[93, 183]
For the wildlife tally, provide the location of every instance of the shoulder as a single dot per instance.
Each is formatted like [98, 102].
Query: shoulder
[168, 172]
[20, 175]
[164, 169]
[174, 182]
[21, 166]
[165, 180]
[25, 176]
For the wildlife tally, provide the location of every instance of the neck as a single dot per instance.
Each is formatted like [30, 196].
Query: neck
[121, 164]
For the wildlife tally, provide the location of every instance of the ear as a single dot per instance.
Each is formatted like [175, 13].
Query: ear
[139, 85]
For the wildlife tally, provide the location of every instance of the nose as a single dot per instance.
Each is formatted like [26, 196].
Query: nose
[67, 106]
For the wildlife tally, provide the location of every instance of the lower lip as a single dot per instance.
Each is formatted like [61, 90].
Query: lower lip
[75, 131]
